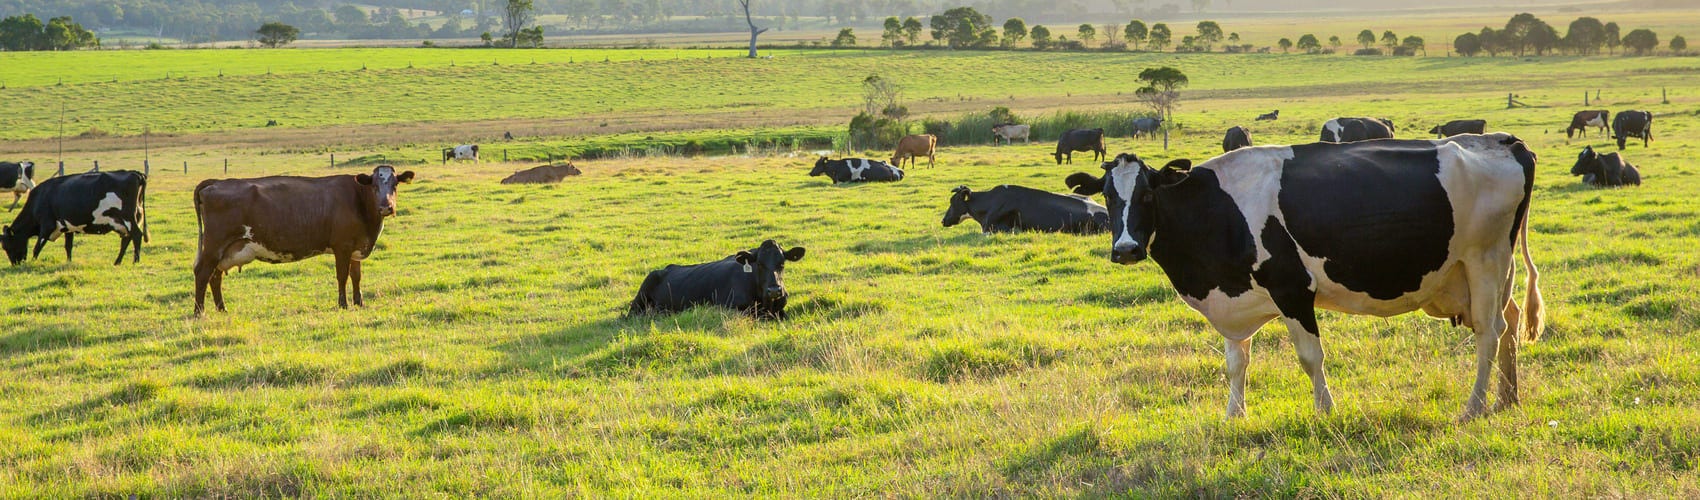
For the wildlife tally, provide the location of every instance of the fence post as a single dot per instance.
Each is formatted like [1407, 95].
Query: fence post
[504, 156]
[146, 168]
[97, 165]
[61, 170]
[1664, 95]
[1584, 98]
[333, 160]
[185, 168]
[227, 165]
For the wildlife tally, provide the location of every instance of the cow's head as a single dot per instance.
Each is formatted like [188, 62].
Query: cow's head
[1587, 163]
[1436, 131]
[1389, 123]
[28, 168]
[384, 179]
[15, 245]
[1130, 191]
[767, 262]
[958, 210]
[820, 167]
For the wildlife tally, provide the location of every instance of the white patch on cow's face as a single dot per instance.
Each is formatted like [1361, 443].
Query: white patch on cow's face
[1125, 179]
[856, 172]
[1333, 128]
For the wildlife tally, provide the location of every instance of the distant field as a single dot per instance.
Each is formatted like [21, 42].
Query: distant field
[921, 361]
[785, 90]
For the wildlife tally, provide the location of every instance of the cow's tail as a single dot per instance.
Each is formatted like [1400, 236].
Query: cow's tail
[1534, 307]
[142, 211]
[199, 224]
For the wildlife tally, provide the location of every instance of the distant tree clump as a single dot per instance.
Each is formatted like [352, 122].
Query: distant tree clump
[1041, 36]
[27, 32]
[1014, 31]
[1160, 36]
[1366, 38]
[963, 27]
[1285, 44]
[1467, 44]
[1135, 32]
[846, 38]
[1087, 33]
[1209, 34]
[275, 34]
[1678, 43]
[1641, 41]
[893, 34]
[1309, 43]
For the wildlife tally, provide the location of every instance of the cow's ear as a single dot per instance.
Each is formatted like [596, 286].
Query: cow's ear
[745, 258]
[405, 177]
[363, 179]
[1182, 164]
[1085, 184]
[794, 254]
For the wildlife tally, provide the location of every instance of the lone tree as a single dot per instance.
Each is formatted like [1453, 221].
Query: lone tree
[1389, 39]
[1641, 41]
[1310, 44]
[893, 32]
[1586, 35]
[516, 15]
[1678, 43]
[1467, 44]
[1014, 30]
[1136, 33]
[1414, 44]
[1285, 45]
[1161, 92]
[846, 38]
[1334, 42]
[754, 31]
[1366, 38]
[275, 34]
[1160, 36]
[1087, 33]
[1209, 33]
[1041, 37]
[911, 30]
[1614, 36]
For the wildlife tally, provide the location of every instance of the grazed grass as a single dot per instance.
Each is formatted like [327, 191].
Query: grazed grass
[492, 359]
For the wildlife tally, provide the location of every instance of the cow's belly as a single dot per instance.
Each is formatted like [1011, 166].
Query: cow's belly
[246, 251]
[1436, 287]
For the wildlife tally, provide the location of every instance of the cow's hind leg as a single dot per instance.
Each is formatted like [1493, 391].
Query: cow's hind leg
[218, 289]
[205, 267]
[1487, 311]
[123, 246]
[1507, 396]
[1308, 344]
[1238, 355]
[68, 247]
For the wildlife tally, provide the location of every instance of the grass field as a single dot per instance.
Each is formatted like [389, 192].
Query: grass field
[920, 361]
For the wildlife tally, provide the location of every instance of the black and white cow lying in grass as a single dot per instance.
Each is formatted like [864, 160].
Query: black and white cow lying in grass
[1356, 129]
[90, 203]
[1607, 170]
[17, 178]
[750, 281]
[856, 170]
[1380, 228]
[1006, 209]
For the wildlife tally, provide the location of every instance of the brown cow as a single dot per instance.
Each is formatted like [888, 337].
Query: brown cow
[1584, 119]
[546, 174]
[913, 146]
[285, 219]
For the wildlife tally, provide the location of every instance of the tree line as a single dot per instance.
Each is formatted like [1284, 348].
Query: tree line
[1525, 34]
[27, 32]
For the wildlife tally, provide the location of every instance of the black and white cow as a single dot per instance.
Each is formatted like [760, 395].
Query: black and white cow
[90, 203]
[1582, 120]
[1236, 138]
[856, 170]
[1080, 140]
[1146, 126]
[1607, 170]
[750, 281]
[1380, 228]
[1456, 127]
[461, 152]
[1637, 124]
[1356, 129]
[1005, 209]
[17, 178]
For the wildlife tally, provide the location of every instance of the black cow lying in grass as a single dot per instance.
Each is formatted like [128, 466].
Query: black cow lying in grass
[1006, 209]
[749, 281]
[1607, 170]
[856, 170]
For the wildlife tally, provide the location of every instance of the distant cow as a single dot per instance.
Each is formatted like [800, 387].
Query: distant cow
[1584, 119]
[1236, 138]
[1007, 208]
[546, 174]
[1456, 127]
[1355, 129]
[1009, 132]
[856, 170]
[915, 145]
[285, 219]
[1607, 170]
[17, 178]
[1080, 140]
[461, 152]
[1270, 116]
[1637, 124]
[749, 281]
[89, 203]
[1146, 126]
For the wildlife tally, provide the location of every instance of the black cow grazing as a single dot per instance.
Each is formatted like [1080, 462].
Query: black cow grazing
[1379, 228]
[1584, 119]
[1146, 126]
[1270, 116]
[1608, 170]
[1080, 140]
[285, 219]
[89, 203]
[1006, 209]
[1456, 127]
[1637, 124]
[856, 170]
[17, 178]
[1236, 138]
[1356, 129]
[750, 281]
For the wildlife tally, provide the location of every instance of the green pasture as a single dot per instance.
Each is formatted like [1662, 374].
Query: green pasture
[920, 361]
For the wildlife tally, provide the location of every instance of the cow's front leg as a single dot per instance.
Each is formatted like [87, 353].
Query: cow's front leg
[354, 275]
[342, 261]
[1308, 345]
[1238, 354]
[68, 247]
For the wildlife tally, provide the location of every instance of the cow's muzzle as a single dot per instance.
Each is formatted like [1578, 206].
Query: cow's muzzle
[773, 293]
[1127, 254]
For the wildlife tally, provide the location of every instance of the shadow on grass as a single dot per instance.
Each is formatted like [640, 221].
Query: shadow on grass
[42, 338]
[956, 236]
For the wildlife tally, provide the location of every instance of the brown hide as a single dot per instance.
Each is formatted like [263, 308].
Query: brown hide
[546, 174]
